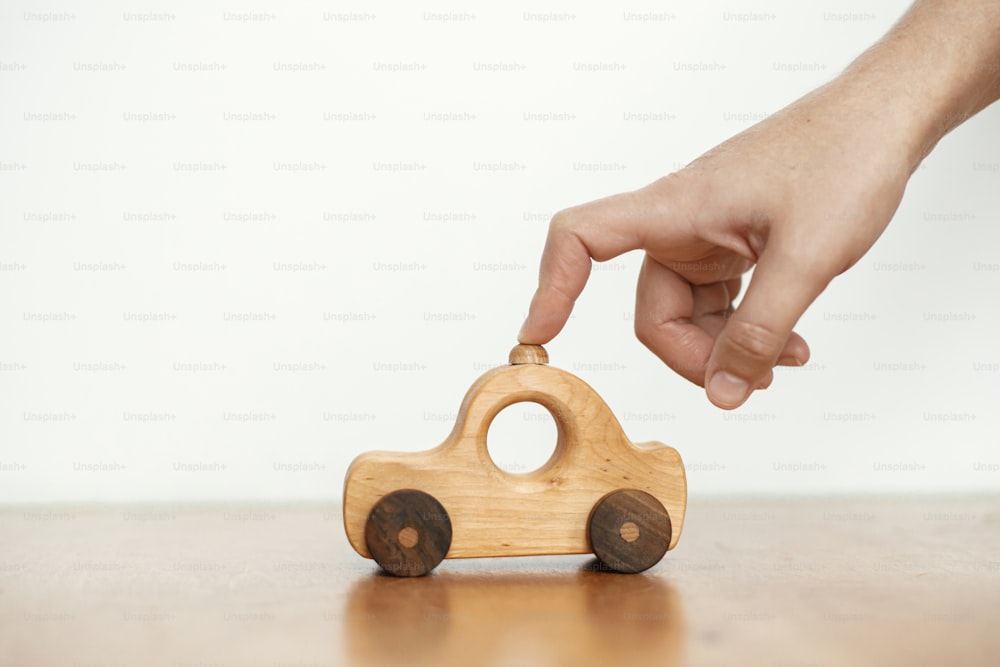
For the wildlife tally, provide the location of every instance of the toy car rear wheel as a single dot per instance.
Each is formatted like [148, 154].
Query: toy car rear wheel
[629, 530]
[408, 533]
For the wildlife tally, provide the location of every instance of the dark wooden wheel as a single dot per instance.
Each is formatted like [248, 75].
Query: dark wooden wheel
[629, 530]
[408, 533]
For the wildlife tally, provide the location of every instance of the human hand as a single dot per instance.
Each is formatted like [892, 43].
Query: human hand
[801, 197]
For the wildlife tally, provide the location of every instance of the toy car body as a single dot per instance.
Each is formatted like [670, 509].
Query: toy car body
[489, 512]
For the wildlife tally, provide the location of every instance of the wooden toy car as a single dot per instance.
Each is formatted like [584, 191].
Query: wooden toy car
[598, 492]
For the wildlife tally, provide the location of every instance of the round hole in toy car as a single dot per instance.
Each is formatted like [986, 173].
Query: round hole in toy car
[522, 438]
[408, 532]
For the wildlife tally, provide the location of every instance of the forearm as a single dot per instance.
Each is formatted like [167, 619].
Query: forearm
[939, 65]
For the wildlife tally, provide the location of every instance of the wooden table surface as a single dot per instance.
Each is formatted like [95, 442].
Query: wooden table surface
[776, 582]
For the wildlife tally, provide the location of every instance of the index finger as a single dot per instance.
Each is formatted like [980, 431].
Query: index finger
[599, 230]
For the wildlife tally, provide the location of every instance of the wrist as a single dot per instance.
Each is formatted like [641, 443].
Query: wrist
[935, 69]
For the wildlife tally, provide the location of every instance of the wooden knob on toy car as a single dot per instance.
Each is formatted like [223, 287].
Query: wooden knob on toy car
[528, 354]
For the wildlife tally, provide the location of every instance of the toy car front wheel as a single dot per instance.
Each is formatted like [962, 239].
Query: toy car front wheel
[408, 533]
[629, 530]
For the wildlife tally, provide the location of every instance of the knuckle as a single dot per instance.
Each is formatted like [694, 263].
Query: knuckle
[661, 335]
[645, 329]
[690, 194]
[562, 222]
[754, 342]
[672, 182]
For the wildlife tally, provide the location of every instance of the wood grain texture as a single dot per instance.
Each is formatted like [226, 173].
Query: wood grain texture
[495, 513]
[629, 531]
[408, 533]
[864, 581]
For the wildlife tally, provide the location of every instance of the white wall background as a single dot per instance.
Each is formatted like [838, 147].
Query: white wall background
[241, 243]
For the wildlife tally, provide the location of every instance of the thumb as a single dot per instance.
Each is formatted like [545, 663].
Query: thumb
[754, 337]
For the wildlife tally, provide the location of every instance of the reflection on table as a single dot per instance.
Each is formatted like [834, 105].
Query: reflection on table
[582, 617]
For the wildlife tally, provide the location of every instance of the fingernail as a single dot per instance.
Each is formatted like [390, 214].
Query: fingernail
[789, 361]
[520, 332]
[728, 390]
